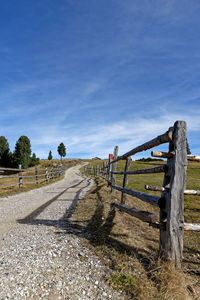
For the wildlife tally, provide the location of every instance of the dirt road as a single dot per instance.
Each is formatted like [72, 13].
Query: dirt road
[30, 204]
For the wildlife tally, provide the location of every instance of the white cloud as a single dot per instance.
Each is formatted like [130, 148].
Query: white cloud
[100, 140]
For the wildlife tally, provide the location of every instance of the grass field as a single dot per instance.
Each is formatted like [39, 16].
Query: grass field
[130, 247]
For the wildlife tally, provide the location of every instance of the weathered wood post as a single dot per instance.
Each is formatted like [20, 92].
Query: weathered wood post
[36, 175]
[114, 168]
[52, 173]
[172, 199]
[97, 170]
[46, 175]
[20, 177]
[125, 179]
[109, 169]
[103, 172]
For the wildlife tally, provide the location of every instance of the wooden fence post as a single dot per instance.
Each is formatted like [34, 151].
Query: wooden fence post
[125, 179]
[36, 174]
[97, 170]
[20, 177]
[172, 199]
[114, 168]
[46, 175]
[52, 175]
[103, 170]
[109, 170]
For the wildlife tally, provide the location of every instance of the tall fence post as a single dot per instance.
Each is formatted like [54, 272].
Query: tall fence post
[97, 170]
[125, 179]
[172, 199]
[36, 175]
[103, 170]
[46, 175]
[114, 168]
[20, 177]
[109, 169]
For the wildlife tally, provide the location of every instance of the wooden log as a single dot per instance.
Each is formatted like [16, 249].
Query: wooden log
[162, 189]
[7, 185]
[31, 176]
[161, 154]
[114, 168]
[190, 157]
[153, 200]
[161, 139]
[154, 188]
[145, 216]
[144, 171]
[193, 157]
[191, 227]
[14, 169]
[8, 176]
[172, 199]
[192, 192]
[125, 179]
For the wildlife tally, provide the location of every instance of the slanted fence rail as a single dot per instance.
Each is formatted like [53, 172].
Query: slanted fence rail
[171, 202]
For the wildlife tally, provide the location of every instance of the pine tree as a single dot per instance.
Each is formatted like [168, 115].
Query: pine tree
[50, 156]
[5, 155]
[22, 153]
[62, 150]
[34, 160]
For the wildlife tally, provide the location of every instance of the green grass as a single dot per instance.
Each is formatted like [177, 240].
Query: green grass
[122, 240]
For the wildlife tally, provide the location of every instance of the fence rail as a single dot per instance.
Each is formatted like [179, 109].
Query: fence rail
[48, 174]
[171, 202]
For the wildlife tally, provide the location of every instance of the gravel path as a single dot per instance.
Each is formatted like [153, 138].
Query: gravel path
[39, 257]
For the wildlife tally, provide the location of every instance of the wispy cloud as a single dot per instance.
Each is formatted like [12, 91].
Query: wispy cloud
[100, 140]
[95, 74]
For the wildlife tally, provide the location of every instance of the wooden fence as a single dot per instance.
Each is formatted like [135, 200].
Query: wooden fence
[171, 202]
[39, 175]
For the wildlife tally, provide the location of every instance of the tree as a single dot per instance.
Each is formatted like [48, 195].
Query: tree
[62, 150]
[5, 155]
[34, 160]
[188, 148]
[50, 156]
[22, 153]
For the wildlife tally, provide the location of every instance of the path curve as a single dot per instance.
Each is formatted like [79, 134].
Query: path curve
[20, 205]
[40, 258]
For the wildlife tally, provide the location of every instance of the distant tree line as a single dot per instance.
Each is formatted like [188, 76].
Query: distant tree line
[20, 156]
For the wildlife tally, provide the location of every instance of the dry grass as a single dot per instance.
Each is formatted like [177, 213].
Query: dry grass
[11, 190]
[130, 247]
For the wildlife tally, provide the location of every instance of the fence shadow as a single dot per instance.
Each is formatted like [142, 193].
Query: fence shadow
[96, 230]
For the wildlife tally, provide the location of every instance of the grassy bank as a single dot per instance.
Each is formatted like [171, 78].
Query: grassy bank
[130, 247]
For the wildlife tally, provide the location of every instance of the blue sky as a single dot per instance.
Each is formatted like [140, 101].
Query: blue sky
[98, 73]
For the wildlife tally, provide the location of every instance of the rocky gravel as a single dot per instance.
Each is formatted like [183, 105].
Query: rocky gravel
[40, 256]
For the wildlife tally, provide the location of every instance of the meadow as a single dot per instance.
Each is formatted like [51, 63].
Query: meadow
[130, 247]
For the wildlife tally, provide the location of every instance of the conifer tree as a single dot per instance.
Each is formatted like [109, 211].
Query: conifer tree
[62, 150]
[22, 153]
[5, 154]
[50, 156]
